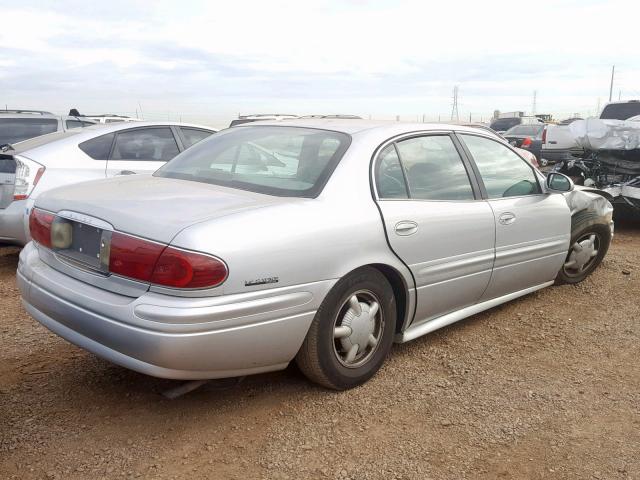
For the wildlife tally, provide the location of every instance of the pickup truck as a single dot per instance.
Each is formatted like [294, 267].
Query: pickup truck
[558, 143]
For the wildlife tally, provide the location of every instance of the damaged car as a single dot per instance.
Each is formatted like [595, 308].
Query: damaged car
[609, 157]
[363, 234]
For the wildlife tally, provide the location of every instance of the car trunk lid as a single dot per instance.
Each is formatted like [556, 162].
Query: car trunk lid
[151, 207]
[148, 207]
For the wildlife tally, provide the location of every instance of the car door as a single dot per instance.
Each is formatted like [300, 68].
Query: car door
[532, 227]
[436, 221]
[141, 150]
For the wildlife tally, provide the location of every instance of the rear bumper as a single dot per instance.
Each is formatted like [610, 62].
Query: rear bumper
[172, 337]
[12, 223]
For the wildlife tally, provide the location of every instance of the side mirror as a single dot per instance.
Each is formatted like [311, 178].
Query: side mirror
[558, 182]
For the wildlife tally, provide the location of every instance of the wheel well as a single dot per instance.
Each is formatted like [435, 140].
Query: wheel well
[399, 291]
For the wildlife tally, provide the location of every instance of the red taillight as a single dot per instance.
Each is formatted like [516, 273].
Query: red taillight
[162, 265]
[182, 269]
[133, 257]
[40, 226]
[526, 143]
[544, 135]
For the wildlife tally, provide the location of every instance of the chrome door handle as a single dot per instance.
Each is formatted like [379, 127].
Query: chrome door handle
[406, 227]
[126, 172]
[507, 218]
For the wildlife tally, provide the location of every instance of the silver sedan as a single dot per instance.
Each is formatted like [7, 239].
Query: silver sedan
[322, 241]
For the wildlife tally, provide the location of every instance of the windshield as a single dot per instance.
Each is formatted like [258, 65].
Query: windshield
[284, 161]
[502, 124]
[530, 130]
[620, 111]
[14, 130]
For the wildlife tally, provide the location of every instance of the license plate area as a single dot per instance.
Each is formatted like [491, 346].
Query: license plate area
[86, 246]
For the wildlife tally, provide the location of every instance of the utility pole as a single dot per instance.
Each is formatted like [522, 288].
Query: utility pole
[613, 71]
[619, 94]
[598, 107]
[534, 106]
[454, 108]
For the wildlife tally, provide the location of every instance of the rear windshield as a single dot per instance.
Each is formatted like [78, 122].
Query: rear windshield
[531, 130]
[14, 130]
[502, 124]
[620, 111]
[283, 161]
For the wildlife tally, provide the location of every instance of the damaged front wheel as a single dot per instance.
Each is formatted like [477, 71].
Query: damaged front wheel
[589, 244]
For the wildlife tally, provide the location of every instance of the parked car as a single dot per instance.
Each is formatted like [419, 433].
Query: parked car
[19, 125]
[110, 118]
[527, 137]
[260, 117]
[501, 125]
[378, 232]
[56, 159]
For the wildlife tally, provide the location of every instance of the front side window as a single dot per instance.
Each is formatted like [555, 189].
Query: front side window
[286, 161]
[503, 172]
[14, 130]
[145, 144]
[434, 169]
[193, 135]
[98, 148]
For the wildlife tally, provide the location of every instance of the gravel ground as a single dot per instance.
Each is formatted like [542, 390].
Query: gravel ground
[547, 386]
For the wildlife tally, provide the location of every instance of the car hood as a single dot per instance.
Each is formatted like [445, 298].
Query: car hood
[152, 207]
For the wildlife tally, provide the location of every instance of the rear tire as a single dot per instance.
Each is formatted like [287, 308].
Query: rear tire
[589, 244]
[348, 341]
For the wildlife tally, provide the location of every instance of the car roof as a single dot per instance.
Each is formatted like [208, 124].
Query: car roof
[356, 126]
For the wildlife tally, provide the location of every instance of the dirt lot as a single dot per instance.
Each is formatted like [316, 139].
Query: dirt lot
[545, 387]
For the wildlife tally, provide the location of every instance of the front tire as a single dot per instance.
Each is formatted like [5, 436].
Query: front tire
[352, 332]
[589, 244]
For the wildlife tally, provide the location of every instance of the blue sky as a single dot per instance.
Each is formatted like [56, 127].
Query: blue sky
[207, 61]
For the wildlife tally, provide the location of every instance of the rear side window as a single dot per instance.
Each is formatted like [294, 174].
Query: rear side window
[98, 148]
[193, 135]
[14, 130]
[145, 144]
[434, 169]
[504, 173]
[389, 177]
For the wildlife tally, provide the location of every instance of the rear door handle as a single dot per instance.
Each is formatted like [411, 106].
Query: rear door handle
[507, 218]
[126, 172]
[406, 227]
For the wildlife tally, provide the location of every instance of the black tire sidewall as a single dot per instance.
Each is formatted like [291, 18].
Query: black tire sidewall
[363, 279]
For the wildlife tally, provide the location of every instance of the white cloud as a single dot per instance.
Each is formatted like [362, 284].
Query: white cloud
[382, 58]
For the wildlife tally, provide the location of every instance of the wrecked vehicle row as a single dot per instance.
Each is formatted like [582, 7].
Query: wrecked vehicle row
[610, 159]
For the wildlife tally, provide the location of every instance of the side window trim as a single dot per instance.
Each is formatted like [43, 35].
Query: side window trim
[485, 195]
[482, 190]
[404, 172]
[178, 136]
